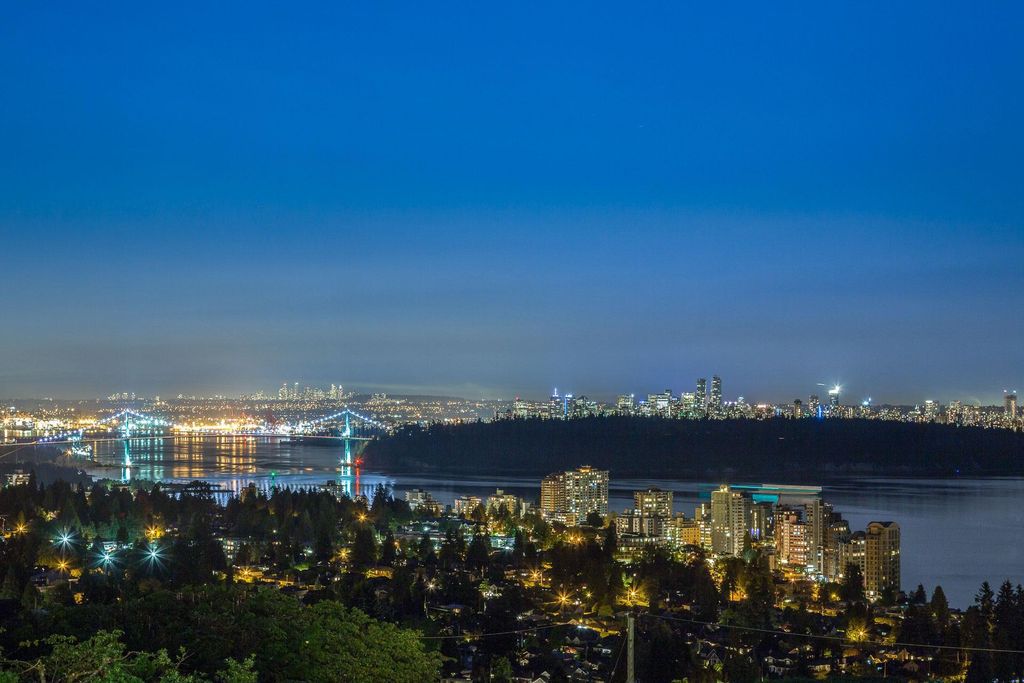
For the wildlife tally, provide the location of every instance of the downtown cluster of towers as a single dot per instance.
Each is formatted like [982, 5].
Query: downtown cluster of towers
[703, 403]
[696, 404]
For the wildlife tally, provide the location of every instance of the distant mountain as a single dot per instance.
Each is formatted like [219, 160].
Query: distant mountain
[804, 449]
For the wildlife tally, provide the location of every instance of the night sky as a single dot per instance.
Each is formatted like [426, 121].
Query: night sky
[496, 198]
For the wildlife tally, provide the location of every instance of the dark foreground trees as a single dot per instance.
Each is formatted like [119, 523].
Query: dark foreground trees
[211, 625]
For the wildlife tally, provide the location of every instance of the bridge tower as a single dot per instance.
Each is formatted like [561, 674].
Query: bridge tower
[127, 438]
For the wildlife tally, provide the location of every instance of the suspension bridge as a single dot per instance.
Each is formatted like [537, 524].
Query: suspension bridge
[340, 428]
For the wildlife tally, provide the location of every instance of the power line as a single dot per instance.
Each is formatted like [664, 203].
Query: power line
[737, 627]
[471, 636]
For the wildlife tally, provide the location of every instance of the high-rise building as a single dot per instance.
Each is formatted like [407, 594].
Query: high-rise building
[625, 404]
[798, 408]
[814, 405]
[653, 502]
[792, 539]
[931, 410]
[510, 502]
[702, 518]
[282, 393]
[716, 394]
[881, 557]
[556, 407]
[833, 397]
[1010, 404]
[701, 397]
[568, 497]
[851, 551]
[730, 521]
[651, 515]
[818, 516]
[660, 405]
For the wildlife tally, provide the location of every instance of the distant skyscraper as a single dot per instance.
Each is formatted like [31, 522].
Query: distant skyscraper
[730, 521]
[701, 397]
[556, 407]
[814, 405]
[716, 393]
[833, 397]
[660, 404]
[798, 408]
[626, 404]
[1010, 401]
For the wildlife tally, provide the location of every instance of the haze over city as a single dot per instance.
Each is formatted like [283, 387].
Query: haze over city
[505, 202]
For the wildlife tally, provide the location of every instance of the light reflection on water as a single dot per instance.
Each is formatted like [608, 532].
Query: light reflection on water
[955, 532]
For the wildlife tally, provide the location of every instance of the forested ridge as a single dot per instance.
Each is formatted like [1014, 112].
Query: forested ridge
[796, 449]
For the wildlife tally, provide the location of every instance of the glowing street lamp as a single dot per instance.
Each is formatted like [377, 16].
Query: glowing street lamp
[64, 539]
[106, 558]
[153, 554]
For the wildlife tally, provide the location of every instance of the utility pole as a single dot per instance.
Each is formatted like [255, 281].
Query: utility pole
[630, 674]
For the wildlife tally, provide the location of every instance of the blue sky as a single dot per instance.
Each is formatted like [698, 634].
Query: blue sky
[494, 199]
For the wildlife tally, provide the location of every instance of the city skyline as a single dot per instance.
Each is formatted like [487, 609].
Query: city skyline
[338, 391]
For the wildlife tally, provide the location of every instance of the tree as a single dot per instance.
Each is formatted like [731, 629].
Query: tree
[388, 551]
[501, 670]
[851, 588]
[940, 609]
[978, 622]
[366, 650]
[478, 555]
[1006, 628]
[104, 658]
[611, 542]
[364, 548]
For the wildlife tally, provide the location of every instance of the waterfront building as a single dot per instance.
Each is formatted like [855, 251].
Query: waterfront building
[730, 521]
[515, 505]
[421, 501]
[465, 505]
[881, 557]
[653, 502]
[568, 497]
